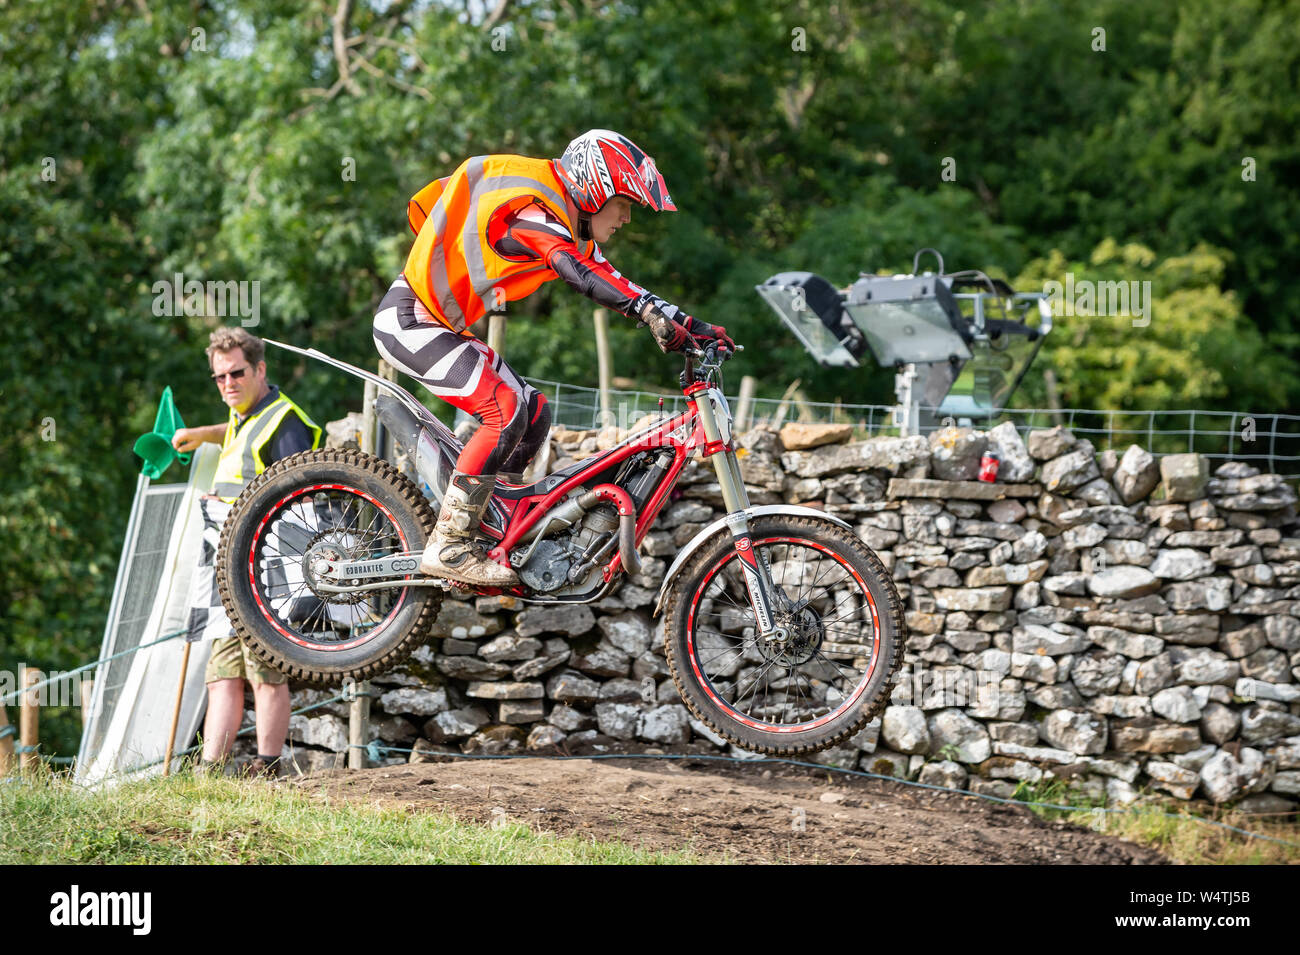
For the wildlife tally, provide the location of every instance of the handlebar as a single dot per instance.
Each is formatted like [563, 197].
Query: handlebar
[710, 358]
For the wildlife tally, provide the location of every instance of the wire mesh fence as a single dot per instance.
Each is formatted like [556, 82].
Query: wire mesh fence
[1269, 441]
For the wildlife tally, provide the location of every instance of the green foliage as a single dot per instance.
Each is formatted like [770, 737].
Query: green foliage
[1194, 349]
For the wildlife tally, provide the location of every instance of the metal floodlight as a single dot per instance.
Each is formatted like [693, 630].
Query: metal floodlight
[908, 319]
[812, 308]
[960, 343]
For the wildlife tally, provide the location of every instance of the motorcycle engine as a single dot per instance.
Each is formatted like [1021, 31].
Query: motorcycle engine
[570, 559]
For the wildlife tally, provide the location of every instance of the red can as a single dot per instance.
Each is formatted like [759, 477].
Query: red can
[989, 467]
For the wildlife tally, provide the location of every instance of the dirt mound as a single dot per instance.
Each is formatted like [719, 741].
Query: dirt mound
[754, 813]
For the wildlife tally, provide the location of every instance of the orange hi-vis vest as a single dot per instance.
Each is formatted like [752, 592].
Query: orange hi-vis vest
[452, 267]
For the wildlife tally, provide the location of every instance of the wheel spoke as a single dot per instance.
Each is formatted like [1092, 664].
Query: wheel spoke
[798, 680]
[349, 528]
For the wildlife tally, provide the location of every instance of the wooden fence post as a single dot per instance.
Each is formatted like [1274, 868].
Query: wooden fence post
[29, 721]
[604, 366]
[369, 423]
[496, 339]
[6, 744]
[87, 699]
[745, 403]
[358, 724]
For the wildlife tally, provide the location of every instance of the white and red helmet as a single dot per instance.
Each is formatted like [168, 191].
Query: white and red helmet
[601, 163]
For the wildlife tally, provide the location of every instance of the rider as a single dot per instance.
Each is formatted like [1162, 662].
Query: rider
[491, 233]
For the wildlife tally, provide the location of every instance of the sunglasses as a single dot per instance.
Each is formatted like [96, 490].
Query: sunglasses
[232, 375]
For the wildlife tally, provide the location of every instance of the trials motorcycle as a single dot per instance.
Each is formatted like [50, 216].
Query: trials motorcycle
[783, 631]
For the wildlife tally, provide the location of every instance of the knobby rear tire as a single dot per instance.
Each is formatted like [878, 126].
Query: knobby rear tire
[689, 590]
[411, 514]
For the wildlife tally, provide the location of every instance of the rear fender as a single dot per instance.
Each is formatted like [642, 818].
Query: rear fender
[720, 526]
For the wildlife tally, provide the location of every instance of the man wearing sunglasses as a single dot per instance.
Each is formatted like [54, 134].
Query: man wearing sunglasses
[264, 426]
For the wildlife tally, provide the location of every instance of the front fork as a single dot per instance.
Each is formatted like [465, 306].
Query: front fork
[763, 596]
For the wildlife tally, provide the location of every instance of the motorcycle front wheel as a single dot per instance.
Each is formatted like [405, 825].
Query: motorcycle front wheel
[833, 672]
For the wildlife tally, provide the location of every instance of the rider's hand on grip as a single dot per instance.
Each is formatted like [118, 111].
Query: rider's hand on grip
[704, 331]
[669, 334]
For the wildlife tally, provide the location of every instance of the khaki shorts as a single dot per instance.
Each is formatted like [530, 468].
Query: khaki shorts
[230, 660]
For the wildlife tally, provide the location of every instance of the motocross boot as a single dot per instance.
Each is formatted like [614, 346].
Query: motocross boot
[453, 551]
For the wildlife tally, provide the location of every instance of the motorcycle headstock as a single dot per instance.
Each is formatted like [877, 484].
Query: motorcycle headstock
[703, 363]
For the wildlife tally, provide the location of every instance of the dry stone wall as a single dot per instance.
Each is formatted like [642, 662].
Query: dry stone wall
[1115, 622]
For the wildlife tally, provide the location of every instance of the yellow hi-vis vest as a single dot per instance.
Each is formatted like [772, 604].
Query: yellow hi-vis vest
[452, 268]
[241, 451]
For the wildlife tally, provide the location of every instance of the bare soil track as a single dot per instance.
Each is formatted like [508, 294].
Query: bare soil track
[751, 813]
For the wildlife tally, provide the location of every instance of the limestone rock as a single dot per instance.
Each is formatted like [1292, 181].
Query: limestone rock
[1052, 641]
[945, 773]
[969, 739]
[1135, 646]
[568, 619]
[1176, 703]
[1151, 676]
[1136, 476]
[1219, 723]
[1207, 593]
[510, 646]
[1016, 464]
[505, 691]
[460, 723]
[1076, 731]
[461, 620]
[1045, 444]
[1148, 735]
[1259, 725]
[1097, 673]
[1123, 582]
[326, 730]
[666, 724]
[1006, 574]
[1227, 777]
[629, 632]
[570, 687]
[891, 454]
[982, 598]
[618, 720]
[1181, 563]
[543, 736]
[496, 740]
[463, 667]
[955, 453]
[904, 728]
[1200, 665]
[1184, 476]
[521, 711]
[1069, 471]
[801, 436]
[414, 700]
[1172, 778]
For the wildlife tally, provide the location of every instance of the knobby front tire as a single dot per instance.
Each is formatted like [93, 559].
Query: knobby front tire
[834, 673]
[347, 505]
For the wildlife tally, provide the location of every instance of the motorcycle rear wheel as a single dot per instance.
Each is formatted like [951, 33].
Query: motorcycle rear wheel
[831, 676]
[344, 505]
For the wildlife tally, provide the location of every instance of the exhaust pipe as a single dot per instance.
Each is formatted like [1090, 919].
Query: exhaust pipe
[626, 521]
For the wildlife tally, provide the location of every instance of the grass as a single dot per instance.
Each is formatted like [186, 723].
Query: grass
[197, 820]
[1184, 837]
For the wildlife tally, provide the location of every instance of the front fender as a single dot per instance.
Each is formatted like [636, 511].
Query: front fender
[696, 542]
